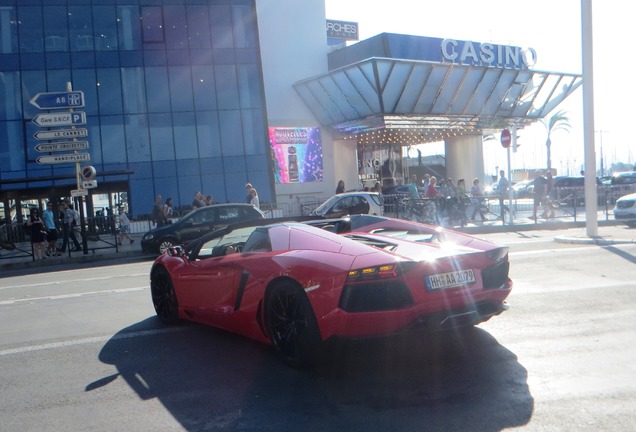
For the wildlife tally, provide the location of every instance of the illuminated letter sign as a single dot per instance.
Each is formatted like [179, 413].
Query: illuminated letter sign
[487, 54]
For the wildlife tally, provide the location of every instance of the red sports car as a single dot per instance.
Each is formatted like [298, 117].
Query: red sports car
[295, 285]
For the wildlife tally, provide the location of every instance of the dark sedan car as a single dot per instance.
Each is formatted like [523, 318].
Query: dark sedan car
[197, 223]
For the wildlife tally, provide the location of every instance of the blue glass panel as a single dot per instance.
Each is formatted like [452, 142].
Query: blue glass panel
[30, 29]
[107, 59]
[254, 133]
[152, 21]
[244, 19]
[55, 29]
[221, 26]
[94, 140]
[109, 91]
[133, 89]
[187, 188]
[157, 89]
[188, 167]
[57, 60]
[208, 133]
[137, 138]
[12, 156]
[176, 27]
[33, 82]
[80, 21]
[85, 80]
[214, 184]
[204, 90]
[131, 58]
[231, 133]
[226, 87]
[185, 135]
[56, 80]
[201, 57]
[249, 86]
[235, 182]
[113, 139]
[199, 27]
[161, 134]
[82, 60]
[8, 30]
[178, 57]
[10, 96]
[141, 170]
[181, 88]
[129, 26]
[33, 61]
[105, 28]
[155, 58]
[141, 197]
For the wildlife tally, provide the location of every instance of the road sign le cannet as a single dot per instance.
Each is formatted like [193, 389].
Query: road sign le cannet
[61, 133]
[65, 158]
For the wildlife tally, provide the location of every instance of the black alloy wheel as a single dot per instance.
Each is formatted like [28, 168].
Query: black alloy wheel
[164, 298]
[291, 324]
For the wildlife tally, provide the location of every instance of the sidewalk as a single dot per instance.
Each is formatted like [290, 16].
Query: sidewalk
[569, 231]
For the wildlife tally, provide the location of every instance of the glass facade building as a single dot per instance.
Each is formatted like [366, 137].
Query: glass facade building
[173, 97]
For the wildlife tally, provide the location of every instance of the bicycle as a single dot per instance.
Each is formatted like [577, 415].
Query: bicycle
[421, 210]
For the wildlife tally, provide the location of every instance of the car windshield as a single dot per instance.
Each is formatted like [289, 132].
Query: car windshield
[240, 235]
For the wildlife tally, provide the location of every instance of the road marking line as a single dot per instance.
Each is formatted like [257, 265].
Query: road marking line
[74, 281]
[65, 296]
[83, 341]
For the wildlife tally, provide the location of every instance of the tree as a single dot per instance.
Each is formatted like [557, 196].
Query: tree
[558, 121]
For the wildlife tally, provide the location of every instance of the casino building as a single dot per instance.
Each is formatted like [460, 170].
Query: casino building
[181, 96]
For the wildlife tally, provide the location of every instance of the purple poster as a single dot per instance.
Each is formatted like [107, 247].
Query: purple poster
[296, 154]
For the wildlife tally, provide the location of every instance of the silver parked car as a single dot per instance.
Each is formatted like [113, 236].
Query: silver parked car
[625, 210]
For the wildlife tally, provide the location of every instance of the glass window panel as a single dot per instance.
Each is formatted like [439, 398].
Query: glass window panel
[86, 81]
[199, 27]
[105, 23]
[185, 136]
[254, 134]
[137, 138]
[33, 82]
[204, 91]
[249, 86]
[208, 134]
[176, 28]
[161, 142]
[113, 139]
[181, 88]
[221, 26]
[129, 26]
[30, 29]
[231, 133]
[80, 22]
[244, 20]
[133, 88]
[10, 108]
[226, 86]
[8, 30]
[109, 91]
[55, 29]
[157, 89]
[152, 24]
[11, 146]
[56, 80]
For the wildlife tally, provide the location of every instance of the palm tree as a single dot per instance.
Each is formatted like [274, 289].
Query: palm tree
[558, 121]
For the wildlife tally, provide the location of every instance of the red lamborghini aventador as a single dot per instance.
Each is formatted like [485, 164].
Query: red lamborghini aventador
[295, 285]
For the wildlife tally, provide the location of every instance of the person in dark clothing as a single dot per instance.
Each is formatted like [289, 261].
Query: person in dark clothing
[539, 194]
[157, 212]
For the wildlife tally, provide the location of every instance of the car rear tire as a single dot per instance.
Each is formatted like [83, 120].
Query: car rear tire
[291, 325]
[165, 244]
[164, 298]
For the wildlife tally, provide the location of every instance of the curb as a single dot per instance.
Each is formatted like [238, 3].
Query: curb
[601, 241]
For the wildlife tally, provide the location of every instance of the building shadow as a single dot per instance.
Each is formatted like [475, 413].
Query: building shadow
[213, 380]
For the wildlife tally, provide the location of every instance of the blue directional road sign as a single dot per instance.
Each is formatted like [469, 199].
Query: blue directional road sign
[58, 100]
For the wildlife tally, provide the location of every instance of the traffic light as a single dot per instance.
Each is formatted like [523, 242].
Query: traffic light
[515, 139]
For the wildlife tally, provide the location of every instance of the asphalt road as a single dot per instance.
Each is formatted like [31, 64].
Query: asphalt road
[81, 350]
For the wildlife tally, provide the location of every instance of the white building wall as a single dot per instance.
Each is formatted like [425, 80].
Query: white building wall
[293, 42]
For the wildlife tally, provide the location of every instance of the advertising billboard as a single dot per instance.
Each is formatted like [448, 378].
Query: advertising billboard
[296, 154]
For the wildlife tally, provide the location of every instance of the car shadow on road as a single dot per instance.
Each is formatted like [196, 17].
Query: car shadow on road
[212, 380]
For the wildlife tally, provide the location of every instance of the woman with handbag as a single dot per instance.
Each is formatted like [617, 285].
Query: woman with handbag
[38, 233]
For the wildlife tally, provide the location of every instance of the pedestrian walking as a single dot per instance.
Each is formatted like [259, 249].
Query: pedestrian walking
[123, 229]
[477, 197]
[68, 229]
[48, 218]
[168, 211]
[38, 233]
[158, 216]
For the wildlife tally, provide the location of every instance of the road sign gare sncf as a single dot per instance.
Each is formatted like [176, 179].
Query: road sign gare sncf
[60, 119]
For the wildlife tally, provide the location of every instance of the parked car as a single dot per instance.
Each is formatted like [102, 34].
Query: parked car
[350, 203]
[625, 210]
[523, 189]
[294, 286]
[197, 223]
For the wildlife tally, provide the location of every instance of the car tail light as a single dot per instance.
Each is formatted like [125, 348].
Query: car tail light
[375, 272]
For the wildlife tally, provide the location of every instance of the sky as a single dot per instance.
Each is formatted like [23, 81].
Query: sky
[553, 29]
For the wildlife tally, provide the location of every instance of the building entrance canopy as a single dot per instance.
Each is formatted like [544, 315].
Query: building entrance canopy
[410, 101]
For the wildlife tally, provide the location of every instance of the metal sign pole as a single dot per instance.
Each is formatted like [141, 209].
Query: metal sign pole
[69, 88]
